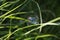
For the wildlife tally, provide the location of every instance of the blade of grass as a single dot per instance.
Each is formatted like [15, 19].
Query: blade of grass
[19, 18]
[46, 35]
[3, 9]
[10, 28]
[40, 14]
[3, 5]
[9, 16]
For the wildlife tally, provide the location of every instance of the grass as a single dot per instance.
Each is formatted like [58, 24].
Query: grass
[23, 31]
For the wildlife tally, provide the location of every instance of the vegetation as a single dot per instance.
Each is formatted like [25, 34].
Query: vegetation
[29, 20]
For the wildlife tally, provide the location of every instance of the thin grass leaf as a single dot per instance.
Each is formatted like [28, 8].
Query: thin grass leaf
[53, 23]
[3, 5]
[9, 16]
[30, 38]
[4, 9]
[19, 18]
[10, 29]
[40, 14]
[46, 35]
[13, 17]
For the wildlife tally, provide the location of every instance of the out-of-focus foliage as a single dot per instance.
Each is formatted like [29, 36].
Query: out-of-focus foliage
[29, 19]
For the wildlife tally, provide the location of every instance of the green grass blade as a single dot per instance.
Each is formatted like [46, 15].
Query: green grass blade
[46, 35]
[3, 5]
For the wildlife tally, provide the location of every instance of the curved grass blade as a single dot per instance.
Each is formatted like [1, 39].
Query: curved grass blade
[40, 14]
[46, 35]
